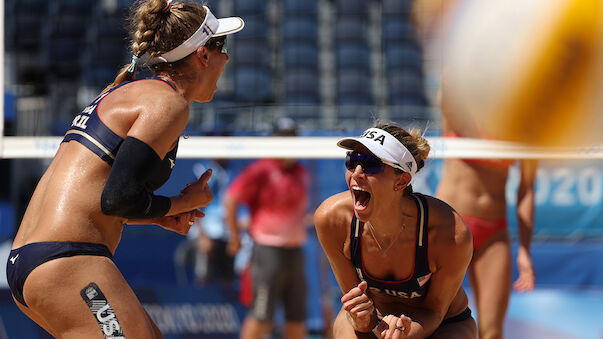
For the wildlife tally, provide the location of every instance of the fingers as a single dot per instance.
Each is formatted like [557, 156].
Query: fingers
[204, 178]
[405, 322]
[362, 286]
[361, 301]
[393, 327]
[362, 309]
[354, 292]
[389, 326]
[523, 284]
[184, 221]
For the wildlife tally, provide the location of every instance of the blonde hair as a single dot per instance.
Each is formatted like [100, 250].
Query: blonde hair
[156, 30]
[413, 140]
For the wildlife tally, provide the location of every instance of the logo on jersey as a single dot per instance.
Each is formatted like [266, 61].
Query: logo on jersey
[394, 293]
[424, 279]
[12, 260]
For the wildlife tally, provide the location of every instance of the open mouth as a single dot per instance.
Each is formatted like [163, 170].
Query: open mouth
[361, 197]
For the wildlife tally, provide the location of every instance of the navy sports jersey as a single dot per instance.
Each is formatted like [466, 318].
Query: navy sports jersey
[412, 287]
[90, 131]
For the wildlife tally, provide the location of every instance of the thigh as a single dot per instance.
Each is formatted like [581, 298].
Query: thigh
[221, 264]
[342, 327]
[490, 273]
[465, 329]
[266, 282]
[53, 292]
[35, 317]
[294, 291]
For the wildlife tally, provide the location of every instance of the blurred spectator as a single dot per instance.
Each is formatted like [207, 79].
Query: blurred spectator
[275, 191]
[212, 262]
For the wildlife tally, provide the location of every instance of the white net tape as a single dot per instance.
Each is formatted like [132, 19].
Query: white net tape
[314, 148]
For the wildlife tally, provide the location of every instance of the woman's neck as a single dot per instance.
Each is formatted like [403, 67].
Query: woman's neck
[181, 85]
[401, 213]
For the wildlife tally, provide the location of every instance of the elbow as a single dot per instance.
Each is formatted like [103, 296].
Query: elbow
[110, 205]
[117, 205]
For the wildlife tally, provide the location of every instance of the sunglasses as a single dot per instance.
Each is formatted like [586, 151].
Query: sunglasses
[370, 164]
[218, 43]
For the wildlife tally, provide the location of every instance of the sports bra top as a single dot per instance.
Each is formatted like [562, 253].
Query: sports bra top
[501, 163]
[417, 284]
[88, 129]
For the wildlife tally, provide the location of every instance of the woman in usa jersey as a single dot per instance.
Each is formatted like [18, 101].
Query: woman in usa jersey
[399, 256]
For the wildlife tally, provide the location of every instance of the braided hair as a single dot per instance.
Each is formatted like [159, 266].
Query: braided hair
[159, 26]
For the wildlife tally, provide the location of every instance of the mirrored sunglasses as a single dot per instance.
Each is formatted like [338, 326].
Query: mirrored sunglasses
[370, 164]
[218, 43]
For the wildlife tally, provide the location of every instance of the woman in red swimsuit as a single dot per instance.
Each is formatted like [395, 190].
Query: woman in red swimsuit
[476, 189]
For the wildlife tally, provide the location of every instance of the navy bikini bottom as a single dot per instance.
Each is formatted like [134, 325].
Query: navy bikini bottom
[466, 314]
[23, 260]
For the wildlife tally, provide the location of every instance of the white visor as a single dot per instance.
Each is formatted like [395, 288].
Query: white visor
[386, 147]
[211, 27]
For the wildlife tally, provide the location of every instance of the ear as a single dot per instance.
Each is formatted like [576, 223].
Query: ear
[402, 181]
[202, 54]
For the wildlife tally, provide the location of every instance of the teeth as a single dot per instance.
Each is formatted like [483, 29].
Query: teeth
[356, 188]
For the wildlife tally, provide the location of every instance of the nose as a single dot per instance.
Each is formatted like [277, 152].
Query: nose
[227, 57]
[357, 171]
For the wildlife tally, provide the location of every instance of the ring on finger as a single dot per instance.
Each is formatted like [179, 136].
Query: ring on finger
[190, 223]
[401, 328]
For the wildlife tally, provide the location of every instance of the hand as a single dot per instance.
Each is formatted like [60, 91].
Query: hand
[179, 223]
[204, 244]
[233, 246]
[197, 194]
[526, 280]
[393, 327]
[359, 308]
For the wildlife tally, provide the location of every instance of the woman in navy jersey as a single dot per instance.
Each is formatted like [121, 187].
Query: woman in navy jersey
[399, 257]
[117, 152]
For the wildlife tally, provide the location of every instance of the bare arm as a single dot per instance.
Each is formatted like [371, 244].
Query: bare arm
[453, 250]
[525, 219]
[159, 124]
[231, 208]
[179, 223]
[332, 218]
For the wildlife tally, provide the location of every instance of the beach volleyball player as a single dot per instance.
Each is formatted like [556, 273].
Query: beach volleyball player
[399, 256]
[117, 151]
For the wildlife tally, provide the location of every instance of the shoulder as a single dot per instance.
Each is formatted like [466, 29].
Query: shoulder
[446, 227]
[260, 166]
[254, 171]
[334, 213]
[161, 97]
[150, 98]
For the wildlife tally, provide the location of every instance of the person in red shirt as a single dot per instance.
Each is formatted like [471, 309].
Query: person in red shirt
[275, 192]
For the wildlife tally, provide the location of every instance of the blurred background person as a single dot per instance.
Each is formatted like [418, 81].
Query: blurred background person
[215, 263]
[205, 247]
[276, 194]
[476, 188]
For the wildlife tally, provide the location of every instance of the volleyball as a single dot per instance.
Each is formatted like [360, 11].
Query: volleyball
[529, 71]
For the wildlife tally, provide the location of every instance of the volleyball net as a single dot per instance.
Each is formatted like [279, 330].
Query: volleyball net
[315, 148]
